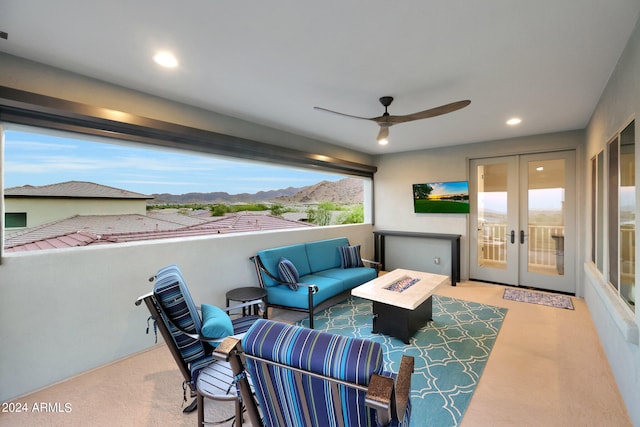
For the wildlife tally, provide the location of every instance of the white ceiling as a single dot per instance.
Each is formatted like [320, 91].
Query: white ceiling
[271, 62]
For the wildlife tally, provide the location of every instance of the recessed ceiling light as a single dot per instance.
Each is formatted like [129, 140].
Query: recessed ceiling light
[540, 168]
[166, 59]
[514, 121]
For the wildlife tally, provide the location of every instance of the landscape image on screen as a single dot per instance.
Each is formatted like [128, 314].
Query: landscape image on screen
[441, 197]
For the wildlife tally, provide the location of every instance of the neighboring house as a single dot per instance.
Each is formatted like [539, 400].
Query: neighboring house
[30, 206]
[85, 230]
[79, 213]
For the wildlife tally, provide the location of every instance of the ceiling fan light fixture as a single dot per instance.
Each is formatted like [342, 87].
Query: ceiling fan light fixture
[383, 135]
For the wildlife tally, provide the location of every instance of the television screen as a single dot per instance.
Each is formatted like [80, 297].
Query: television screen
[441, 197]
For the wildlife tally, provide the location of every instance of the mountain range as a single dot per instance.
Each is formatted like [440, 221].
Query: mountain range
[344, 191]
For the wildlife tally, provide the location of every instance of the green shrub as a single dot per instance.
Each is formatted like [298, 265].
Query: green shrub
[219, 210]
[355, 215]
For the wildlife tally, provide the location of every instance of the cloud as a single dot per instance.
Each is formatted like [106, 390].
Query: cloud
[56, 159]
[11, 146]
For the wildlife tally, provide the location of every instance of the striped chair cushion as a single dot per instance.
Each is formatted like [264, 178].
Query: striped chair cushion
[242, 324]
[173, 295]
[286, 399]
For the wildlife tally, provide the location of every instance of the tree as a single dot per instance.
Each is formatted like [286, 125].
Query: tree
[219, 210]
[277, 210]
[354, 216]
[322, 215]
[422, 191]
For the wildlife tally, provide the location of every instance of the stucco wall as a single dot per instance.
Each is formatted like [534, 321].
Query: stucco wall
[43, 210]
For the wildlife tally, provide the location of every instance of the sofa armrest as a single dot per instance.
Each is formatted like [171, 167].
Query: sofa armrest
[375, 264]
[261, 268]
[312, 288]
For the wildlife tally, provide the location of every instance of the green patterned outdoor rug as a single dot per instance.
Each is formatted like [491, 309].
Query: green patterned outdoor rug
[450, 352]
[542, 298]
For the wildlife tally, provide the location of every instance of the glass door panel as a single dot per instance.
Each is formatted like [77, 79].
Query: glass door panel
[494, 205]
[545, 222]
[548, 221]
[492, 215]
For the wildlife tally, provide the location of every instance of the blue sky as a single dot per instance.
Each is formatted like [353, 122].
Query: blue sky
[440, 188]
[38, 159]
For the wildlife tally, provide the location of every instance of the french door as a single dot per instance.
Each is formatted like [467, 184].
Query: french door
[523, 220]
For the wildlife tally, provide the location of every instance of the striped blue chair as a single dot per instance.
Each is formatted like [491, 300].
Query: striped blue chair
[304, 377]
[179, 321]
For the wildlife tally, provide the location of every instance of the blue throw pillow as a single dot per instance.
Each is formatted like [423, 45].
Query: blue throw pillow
[350, 256]
[215, 322]
[288, 273]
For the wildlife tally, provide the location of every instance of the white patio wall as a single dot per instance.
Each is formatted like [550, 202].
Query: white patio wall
[64, 312]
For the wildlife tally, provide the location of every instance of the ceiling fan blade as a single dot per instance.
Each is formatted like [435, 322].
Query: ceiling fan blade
[432, 112]
[342, 114]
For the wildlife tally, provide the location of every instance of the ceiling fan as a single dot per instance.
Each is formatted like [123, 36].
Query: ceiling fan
[385, 121]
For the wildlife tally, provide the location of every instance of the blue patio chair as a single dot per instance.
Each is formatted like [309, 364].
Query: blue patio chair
[304, 377]
[192, 338]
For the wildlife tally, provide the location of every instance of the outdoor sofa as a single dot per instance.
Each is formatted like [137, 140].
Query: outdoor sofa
[301, 276]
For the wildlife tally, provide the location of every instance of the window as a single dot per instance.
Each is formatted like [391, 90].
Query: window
[621, 208]
[69, 179]
[614, 160]
[627, 215]
[600, 213]
[597, 214]
[15, 219]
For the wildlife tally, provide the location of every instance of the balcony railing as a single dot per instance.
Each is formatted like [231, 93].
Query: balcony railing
[545, 245]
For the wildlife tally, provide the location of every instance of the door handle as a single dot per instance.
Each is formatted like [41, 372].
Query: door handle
[521, 236]
[513, 236]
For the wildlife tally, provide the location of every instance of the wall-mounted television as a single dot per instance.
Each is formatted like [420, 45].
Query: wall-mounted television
[441, 197]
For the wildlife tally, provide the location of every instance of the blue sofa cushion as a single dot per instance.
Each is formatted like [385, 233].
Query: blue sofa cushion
[270, 258]
[350, 277]
[327, 288]
[350, 256]
[288, 273]
[324, 254]
[215, 322]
